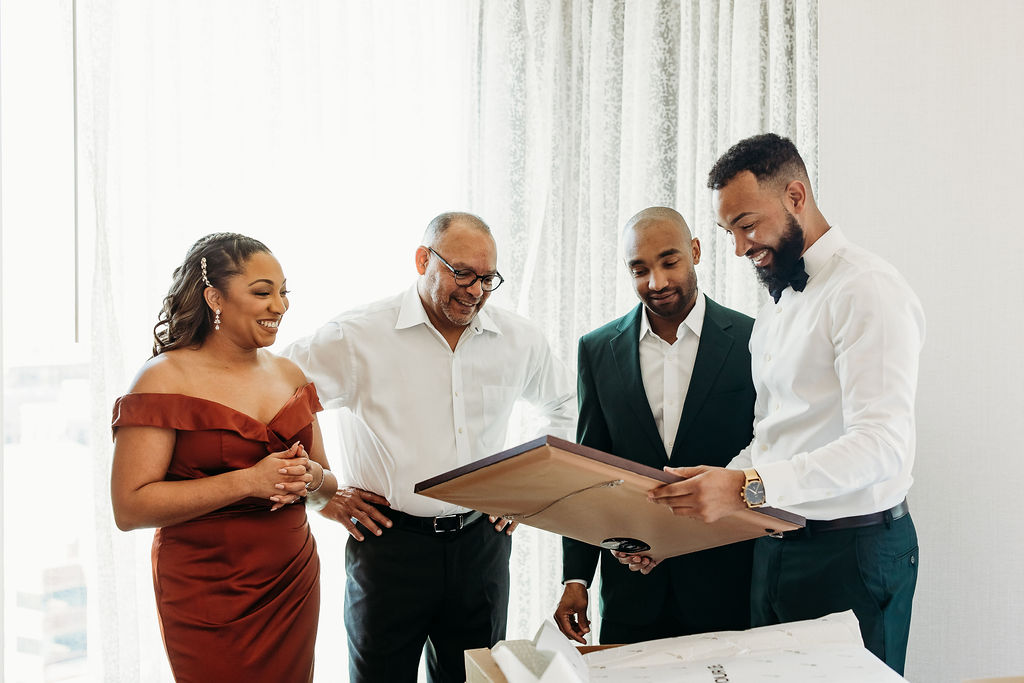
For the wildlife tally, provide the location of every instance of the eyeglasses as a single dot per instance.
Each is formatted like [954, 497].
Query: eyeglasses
[467, 278]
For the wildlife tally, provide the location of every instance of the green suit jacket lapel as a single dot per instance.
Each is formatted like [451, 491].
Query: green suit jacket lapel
[715, 343]
[625, 348]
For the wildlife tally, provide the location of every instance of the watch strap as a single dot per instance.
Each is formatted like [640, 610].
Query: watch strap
[750, 476]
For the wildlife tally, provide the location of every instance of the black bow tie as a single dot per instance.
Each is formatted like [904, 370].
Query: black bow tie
[798, 280]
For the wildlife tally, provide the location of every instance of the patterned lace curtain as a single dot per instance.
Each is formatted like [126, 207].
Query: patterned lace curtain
[589, 111]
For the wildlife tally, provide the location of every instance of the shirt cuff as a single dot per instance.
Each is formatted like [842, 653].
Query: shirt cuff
[780, 485]
[568, 581]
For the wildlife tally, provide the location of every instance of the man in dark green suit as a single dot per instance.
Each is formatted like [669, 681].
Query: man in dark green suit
[634, 373]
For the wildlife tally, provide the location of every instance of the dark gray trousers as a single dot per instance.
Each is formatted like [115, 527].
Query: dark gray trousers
[408, 592]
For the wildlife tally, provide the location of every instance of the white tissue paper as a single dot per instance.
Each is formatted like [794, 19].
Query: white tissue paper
[549, 658]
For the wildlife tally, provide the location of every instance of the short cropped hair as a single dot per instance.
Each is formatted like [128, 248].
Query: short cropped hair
[441, 223]
[770, 157]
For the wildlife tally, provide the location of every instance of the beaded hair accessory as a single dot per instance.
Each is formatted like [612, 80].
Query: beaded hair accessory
[202, 262]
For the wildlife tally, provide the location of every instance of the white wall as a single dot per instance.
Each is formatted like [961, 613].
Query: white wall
[921, 150]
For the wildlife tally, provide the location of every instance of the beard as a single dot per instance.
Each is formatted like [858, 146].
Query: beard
[452, 310]
[686, 293]
[784, 257]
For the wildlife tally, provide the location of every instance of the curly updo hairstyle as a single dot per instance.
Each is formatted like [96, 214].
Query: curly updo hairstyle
[185, 319]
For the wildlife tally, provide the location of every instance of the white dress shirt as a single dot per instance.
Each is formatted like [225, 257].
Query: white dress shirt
[666, 369]
[420, 408]
[835, 369]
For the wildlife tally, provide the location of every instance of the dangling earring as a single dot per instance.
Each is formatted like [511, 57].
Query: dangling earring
[216, 319]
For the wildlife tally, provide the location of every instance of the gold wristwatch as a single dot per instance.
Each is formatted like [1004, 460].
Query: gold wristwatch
[752, 492]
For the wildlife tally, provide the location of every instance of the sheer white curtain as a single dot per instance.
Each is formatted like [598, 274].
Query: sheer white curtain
[334, 130]
[589, 111]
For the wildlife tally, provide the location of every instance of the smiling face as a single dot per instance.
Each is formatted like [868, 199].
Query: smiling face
[253, 303]
[764, 223]
[466, 247]
[660, 255]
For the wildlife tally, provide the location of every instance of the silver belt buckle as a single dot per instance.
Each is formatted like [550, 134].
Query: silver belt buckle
[445, 531]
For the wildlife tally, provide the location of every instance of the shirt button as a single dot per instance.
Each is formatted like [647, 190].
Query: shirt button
[460, 430]
[764, 447]
[456, 394]
[768, 356]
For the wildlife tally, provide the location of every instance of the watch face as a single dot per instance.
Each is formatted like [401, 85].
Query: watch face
[754, 493]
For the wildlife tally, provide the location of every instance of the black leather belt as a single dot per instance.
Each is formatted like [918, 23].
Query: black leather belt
[817, 526]
[445, 524]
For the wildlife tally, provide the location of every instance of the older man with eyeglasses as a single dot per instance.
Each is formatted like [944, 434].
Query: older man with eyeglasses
[431, 380]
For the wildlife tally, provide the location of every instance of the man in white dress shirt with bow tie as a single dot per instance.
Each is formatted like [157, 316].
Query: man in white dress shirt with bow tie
[834, 362]
[431, 380]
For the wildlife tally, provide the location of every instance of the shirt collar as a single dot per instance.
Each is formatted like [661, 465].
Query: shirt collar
[412, 313]
[818, 254]
[694, 320]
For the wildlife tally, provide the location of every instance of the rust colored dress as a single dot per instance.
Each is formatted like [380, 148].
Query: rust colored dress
[238, 589]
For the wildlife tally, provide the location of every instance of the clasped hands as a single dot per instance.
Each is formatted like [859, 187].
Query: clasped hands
[282, 477]
[705, 493]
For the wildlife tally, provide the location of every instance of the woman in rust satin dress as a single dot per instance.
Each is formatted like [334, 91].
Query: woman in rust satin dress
[218, 446]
